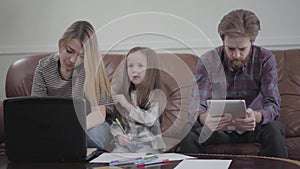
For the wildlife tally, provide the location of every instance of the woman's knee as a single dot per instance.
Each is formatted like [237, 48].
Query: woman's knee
[100, 130]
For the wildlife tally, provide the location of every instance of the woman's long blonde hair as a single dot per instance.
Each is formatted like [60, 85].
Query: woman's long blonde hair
[96, 81]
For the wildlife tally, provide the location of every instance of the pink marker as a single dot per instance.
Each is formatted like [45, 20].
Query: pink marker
[158, 161]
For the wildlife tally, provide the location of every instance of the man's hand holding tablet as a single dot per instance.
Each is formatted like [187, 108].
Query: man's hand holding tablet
[227, 111]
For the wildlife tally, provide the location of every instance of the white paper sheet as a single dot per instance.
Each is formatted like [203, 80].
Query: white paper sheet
[108, 157]
[174, 156]
[207, 164]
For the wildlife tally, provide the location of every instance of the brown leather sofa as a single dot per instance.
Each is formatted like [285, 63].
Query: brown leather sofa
[178, 77]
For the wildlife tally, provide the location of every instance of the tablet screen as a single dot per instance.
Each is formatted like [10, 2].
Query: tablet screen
[230, 108]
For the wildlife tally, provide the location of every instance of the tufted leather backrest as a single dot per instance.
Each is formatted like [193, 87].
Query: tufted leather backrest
[20, 75]
[178, 76]
[177, 70]
[289, 87]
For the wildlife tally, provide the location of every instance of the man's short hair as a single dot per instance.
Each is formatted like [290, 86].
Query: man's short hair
[239, 23]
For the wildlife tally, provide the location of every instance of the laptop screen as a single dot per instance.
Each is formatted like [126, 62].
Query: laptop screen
[45, 128]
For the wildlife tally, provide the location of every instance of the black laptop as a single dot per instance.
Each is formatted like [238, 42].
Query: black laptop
[45, 129]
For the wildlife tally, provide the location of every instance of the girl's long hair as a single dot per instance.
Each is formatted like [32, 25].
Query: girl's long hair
[152, 79]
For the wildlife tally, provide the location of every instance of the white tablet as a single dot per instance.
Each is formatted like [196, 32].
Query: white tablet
[229, 108]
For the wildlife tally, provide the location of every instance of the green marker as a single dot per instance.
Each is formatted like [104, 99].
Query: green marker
[118, 122]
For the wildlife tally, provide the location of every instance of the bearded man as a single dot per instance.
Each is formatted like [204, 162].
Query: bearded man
[237, 70]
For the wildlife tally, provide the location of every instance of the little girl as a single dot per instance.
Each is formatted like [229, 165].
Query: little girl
[141, 100]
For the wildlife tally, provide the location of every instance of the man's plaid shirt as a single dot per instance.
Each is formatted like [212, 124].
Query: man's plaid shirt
[256, 82]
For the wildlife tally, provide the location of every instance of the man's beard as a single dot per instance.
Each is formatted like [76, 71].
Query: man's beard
[238, 63]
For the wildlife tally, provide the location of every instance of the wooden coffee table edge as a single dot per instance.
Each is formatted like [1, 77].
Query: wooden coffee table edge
[253, 156]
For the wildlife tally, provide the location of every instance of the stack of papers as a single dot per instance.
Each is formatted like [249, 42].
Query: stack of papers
[108, 157]
[187, 162]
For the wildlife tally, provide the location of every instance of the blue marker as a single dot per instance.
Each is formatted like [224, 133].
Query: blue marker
[124, 161]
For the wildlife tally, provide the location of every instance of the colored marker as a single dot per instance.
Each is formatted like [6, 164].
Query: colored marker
[144, 159]
[127, 159]
[148, 158]
[124, 161]
[153, 162]
[118, 122]
[151, 157]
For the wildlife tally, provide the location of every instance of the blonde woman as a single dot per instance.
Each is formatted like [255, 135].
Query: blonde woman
[77, 70]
